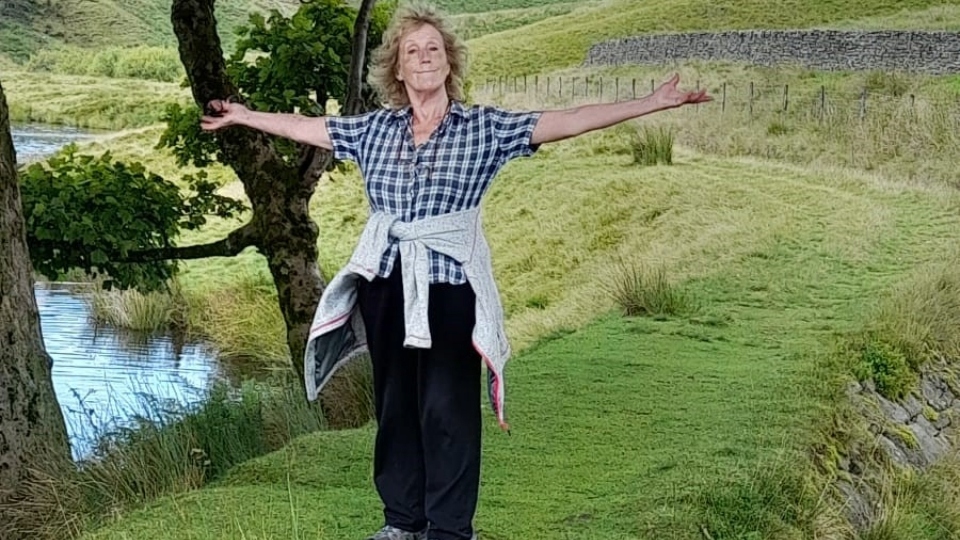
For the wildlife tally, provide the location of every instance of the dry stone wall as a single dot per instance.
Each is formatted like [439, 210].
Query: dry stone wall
[934, 53]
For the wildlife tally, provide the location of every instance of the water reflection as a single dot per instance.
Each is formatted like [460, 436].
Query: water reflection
[103, 376]
[36, 141]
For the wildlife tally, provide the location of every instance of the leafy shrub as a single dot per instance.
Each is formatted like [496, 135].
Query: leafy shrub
[888, 368]
[110, 218]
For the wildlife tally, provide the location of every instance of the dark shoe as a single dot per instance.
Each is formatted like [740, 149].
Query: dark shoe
[393, 533]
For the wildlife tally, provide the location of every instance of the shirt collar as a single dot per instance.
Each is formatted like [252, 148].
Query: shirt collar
[456, 109]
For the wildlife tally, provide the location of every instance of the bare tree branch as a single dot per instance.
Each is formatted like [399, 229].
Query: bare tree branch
[354, 101]
[233, 244]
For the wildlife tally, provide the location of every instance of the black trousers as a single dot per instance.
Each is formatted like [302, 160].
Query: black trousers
[427, 450]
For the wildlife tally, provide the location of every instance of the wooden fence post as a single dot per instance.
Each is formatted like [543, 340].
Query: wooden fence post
[786, 97]
[863, 104]
[823, 102]
[751, 99]
[723, 100]
[698, 89]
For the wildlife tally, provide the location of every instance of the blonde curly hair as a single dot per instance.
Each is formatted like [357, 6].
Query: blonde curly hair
[385, 60]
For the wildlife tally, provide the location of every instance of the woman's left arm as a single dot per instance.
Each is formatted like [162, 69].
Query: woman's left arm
[559, 125]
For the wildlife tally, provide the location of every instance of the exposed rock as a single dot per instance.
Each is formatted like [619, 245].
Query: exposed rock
[895, 450]
[894, 411]
[913, 433]
[936, 392]
[860, 503]
[931, 444]
[913, 406]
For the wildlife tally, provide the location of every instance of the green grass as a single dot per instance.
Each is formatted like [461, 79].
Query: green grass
[563, 41]
[88, 102]
[472, 25]
[939, 17]
[662, 430]
[150, 63]
[907, 124]
[101, 23]
[693, 419]
[168, 449]
[473, 6]
[672, 423]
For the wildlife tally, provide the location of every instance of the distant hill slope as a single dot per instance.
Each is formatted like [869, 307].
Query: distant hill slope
[562, 41]
[480, 6]
[28, 25]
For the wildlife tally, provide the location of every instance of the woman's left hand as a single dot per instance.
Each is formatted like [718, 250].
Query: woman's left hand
[669, 97]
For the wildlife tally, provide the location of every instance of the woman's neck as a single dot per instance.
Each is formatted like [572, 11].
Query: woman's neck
[429, 108]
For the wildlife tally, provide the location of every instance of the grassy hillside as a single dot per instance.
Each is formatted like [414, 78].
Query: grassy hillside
[679, 426]
[478, 6]
[942, 17]
[103, 104]
[472, 25]
[27, 26]
[624, 428]
[563, 41]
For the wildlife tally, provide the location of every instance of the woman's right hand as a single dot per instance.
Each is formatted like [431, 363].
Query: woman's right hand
[220, 113]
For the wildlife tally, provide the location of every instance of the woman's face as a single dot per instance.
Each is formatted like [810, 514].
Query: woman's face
[423, 65]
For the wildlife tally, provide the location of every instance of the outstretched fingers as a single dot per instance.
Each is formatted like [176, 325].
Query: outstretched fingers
[699, 97]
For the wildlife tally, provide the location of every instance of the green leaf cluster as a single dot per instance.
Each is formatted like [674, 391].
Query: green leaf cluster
[96, 214]
[299, 63]
[283, 64]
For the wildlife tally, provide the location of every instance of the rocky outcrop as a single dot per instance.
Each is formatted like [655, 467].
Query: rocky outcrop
[914, 432]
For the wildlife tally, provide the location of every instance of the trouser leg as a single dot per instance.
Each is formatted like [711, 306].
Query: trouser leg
[398, 453]
[450, 373]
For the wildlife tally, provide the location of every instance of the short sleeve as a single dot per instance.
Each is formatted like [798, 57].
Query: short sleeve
[513, 131]
[347, 134]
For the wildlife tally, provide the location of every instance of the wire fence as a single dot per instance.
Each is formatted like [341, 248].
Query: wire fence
[744, 97]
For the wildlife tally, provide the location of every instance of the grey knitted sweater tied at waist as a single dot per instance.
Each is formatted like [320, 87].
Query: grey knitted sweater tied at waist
[337, 334]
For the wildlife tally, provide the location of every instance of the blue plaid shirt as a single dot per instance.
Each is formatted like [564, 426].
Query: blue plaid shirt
[450, 172]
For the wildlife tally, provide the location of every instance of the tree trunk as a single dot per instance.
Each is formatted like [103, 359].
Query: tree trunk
[279, 193]
[31, 422]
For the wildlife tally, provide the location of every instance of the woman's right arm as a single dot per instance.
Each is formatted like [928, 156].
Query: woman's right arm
[303, 129]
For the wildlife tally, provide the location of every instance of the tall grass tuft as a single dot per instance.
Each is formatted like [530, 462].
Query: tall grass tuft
[142, 312]
[778, 500]
[653, 146]
[918, 323]
[919, 506]
[164, 451]
[242, 316]
[640, 290]
[347, 400]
